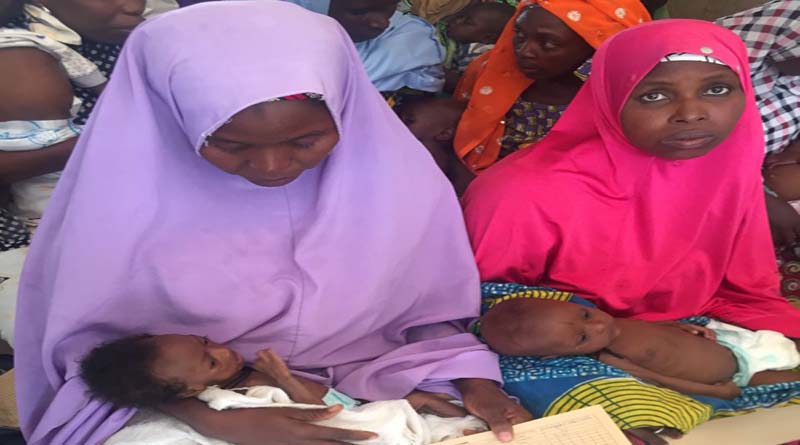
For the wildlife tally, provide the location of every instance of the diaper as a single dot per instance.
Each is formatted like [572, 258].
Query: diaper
[756, 351]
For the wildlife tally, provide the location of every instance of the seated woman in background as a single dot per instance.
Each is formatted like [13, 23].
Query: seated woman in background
[399, 51]
[518, 90]
[263, 210]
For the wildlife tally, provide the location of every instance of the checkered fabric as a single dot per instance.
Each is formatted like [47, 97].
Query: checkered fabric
[772, 34]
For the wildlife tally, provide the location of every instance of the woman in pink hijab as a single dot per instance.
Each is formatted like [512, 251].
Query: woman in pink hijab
[646, 196]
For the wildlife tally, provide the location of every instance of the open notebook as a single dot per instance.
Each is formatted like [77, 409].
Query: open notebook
[587, 426]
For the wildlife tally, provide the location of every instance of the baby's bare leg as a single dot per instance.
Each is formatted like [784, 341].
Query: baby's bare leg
[771, 377]
[299, 390]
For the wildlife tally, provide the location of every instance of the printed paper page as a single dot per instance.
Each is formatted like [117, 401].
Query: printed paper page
[587, 426]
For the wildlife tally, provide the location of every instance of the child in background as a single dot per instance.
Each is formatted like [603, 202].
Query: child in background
[433, 120]
[712, 360]
[470, 33]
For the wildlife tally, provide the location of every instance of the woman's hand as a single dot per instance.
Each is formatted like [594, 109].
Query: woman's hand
[265, 426]
[484, 399]
[434, 403]
[289, 426]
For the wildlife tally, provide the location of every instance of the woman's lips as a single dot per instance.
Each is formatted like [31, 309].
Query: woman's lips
[689, 140]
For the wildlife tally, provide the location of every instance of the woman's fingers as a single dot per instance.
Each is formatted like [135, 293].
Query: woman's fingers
[435, 403]
[328, 434]
[443, 408]
[519, 415]
[646, 437]
[499, 424]
[311, 433]
[312, 415]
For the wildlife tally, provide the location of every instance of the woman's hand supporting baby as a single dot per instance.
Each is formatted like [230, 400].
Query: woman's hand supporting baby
[484, 399]
[264, 426]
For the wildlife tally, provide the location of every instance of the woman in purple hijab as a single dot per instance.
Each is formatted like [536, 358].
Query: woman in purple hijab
[195, 203]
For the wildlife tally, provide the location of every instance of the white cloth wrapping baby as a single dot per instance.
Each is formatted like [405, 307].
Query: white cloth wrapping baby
[395, 421]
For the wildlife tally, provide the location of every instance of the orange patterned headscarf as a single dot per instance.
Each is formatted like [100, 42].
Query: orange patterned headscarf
[493, 82]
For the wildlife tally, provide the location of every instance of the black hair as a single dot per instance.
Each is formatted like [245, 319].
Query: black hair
[424, 100]
[499, 11]
[120, 372]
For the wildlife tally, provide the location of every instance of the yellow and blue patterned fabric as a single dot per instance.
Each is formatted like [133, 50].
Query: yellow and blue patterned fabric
[552, 386]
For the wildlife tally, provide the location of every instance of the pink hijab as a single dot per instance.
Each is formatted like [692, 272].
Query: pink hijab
[643, 237]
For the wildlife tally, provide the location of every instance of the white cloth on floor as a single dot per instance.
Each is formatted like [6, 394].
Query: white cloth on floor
[756, 351]
[395, 421]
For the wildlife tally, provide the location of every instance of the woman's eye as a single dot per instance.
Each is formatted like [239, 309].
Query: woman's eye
[306, 142]
[586, 315]
[227, 145]
[213, 363]
[652, 97]
[549, 44]
[582, 339]
[719, 90]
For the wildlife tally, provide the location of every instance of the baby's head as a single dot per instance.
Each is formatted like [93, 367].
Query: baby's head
[433, 120]
[480, 23]
[546, 328]
[148, 370]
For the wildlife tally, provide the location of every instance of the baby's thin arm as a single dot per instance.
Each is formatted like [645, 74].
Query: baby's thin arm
[271, 364]
[727, 390]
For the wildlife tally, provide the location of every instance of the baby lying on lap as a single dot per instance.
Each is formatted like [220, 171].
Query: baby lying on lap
[146, 371]
[713, 360]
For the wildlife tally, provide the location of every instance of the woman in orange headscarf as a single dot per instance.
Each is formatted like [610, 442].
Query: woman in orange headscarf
[518, 90]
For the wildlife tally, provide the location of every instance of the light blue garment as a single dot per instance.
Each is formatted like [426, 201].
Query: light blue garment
[406, 55]
[334, 397]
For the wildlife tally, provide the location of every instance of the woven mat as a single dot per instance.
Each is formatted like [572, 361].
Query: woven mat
[8, 401]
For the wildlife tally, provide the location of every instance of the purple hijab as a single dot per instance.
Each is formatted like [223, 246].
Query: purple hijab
[359, 272]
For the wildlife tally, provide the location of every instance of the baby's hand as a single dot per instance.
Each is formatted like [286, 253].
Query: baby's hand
[728, 390]
[271, 364]
[698, 330]
[789, 156]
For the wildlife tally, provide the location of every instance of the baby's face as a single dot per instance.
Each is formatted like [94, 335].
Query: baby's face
[195, 361]
[565, 328]
[471, 26]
